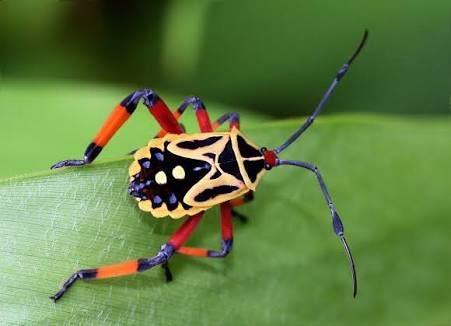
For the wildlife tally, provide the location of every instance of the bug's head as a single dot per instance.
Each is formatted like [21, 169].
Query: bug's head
[271, 159]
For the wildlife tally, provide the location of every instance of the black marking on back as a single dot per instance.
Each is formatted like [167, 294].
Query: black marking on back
[214, 192]
[227, 161]
[253, 168]
[186, 206]
[210, 155]
[246, 150]
[216, 175]
[144, 187]
[194, 144]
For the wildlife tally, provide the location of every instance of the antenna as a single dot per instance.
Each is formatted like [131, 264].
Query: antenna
[336, 221]
[341, 73]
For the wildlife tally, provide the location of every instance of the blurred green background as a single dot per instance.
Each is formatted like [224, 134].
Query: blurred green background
[273, 58]
[382, 142]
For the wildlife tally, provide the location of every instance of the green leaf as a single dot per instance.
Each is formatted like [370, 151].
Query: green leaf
[389, 179]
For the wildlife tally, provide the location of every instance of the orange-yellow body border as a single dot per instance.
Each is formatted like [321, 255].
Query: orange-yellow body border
[171, 140]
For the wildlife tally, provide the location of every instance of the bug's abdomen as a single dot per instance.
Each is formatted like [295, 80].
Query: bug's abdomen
[184, 174]
[160, 179]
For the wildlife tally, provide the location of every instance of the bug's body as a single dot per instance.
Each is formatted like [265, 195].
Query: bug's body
[180, 175]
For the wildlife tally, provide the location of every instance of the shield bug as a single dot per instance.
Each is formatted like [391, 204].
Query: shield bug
[178, 174]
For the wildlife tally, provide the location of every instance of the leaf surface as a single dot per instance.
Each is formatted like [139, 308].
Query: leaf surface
[389, 179]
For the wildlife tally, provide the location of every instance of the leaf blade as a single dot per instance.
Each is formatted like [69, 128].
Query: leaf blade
[280, 269]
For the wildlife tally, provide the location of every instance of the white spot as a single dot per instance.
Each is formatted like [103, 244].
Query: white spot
[161, 178]
[178, 172]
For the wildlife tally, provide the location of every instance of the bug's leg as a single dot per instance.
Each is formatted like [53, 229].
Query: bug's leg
[204, 121]
[136, 265]
[119, 116]
[160, 134]
[163, 132]
[132, 152]
[227, 237]
[200, 111]
[232, 117]
[121, 269]
[247, 197]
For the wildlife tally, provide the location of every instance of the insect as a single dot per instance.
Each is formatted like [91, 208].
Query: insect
[180, 174]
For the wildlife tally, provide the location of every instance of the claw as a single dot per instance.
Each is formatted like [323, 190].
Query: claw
[167, 272]
[68, 163]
